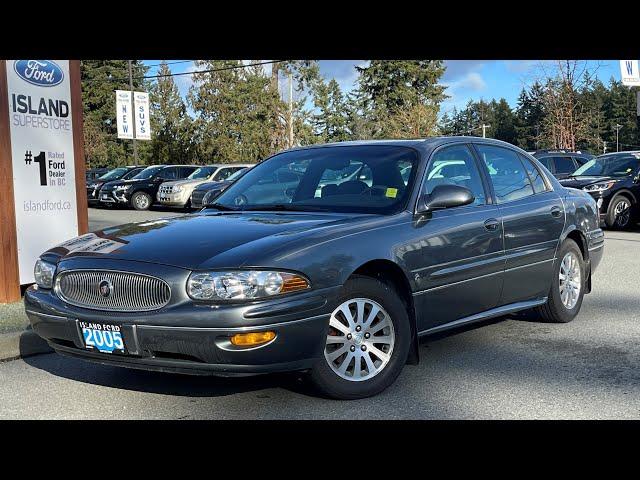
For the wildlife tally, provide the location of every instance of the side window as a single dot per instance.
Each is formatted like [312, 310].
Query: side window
[534, 175]
[509, 178]
[170, 173]
[223, 174]
[546, 161]
[564, 164]
[455, 166]
[186, 171]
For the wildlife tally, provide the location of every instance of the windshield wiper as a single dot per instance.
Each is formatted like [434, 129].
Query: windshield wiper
[219, 206]
[284, 207]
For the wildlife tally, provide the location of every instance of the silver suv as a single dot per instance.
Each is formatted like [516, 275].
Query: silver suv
[178, 193]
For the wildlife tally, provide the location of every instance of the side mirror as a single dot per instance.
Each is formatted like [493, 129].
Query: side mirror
[445, 196]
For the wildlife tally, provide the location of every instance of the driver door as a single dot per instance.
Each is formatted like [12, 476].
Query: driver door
[459, 267]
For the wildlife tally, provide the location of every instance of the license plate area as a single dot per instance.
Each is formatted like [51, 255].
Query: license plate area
[102, 337]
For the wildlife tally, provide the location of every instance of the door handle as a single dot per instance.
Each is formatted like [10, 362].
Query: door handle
[556, 212]
[492, 224]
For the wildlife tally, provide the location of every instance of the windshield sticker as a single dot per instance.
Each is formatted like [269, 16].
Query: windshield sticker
[391, 192]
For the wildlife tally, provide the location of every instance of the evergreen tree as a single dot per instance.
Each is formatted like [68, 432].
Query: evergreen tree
[406, 89]
[330, 123]
[170, 123]
[100, 79]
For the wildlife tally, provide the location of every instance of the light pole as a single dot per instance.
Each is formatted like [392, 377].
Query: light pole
[133, 108]
[617, 126]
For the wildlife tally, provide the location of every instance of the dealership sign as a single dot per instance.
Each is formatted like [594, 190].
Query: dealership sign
[127, 114]
[630, 73]
[41, 132]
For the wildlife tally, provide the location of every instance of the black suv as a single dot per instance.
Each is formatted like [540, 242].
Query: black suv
[140, 191]
[613, 180]
[562, 163]
[119, 173]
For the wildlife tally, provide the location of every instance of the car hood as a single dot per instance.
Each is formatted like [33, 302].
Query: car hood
[212, 185]
[192, 241]
[583, 181]
[184, 182]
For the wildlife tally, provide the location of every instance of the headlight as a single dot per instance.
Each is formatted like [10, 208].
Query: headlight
[123, 187]
[43, 273]
[208, 196]
[243, 285]
[599, 187]
[177, 189]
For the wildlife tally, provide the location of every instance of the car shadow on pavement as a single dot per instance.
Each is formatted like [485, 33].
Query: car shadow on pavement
[165, 383]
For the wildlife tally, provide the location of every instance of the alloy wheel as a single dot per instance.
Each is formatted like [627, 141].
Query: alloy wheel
[360, 340]
[622, 212]
[142, 201]
[570, 280]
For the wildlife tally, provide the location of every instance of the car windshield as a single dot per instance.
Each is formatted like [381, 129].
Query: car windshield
[361, 179]
[201, 173]
[237, 175]
[113, 174]
[609, 166]
[148, 173]
[131, 173]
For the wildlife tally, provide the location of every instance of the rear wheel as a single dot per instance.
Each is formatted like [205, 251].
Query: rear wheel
[367, 343]
[141, 201]
[567, 291]
[619, 213]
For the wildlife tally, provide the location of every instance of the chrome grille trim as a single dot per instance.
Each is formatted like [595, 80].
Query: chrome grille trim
[166, 189]
[132, 292]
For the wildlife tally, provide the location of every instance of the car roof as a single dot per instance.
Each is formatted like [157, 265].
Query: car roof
[423, 144]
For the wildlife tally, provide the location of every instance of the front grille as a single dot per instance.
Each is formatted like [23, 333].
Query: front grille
[197, 196]
[127, 292]
[166, 189]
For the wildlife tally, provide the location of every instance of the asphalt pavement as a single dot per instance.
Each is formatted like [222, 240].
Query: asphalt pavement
[512, 368]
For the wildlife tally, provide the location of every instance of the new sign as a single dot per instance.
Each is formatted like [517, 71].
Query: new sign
[126, 117]
[42, 155]
[630, 73]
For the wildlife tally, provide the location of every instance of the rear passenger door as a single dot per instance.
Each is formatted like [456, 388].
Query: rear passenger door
[533, 219]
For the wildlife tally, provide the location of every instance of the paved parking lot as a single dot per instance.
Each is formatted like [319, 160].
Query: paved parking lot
[514, 368]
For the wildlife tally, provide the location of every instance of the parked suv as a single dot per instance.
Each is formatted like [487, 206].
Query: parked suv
[613, 180]
[562, 163]
[140, 191]
[211, 189]
[119, 173]
[178, 193]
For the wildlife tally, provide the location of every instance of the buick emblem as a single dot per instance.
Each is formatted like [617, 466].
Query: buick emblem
[106, 288]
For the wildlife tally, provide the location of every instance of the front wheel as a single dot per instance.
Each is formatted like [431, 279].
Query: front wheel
[619, 213]
[141, 201]
[367, 342]
[567, 289]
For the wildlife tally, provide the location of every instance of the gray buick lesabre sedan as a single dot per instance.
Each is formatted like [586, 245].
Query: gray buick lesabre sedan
[331, 259]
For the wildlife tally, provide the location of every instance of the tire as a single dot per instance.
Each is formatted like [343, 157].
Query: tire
[556, 310]
[377, 373]
[614, 219]
[141, 201]
[187, 206]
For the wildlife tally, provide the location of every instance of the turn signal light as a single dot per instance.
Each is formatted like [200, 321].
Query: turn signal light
[252, 339]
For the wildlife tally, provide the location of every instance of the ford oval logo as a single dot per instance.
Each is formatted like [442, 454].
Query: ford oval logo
[43, 73]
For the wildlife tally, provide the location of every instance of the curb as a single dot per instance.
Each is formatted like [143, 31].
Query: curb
[22, 344]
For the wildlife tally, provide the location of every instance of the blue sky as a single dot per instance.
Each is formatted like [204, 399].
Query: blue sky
[465, 79]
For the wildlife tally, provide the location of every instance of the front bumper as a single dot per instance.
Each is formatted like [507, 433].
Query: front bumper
[602, 201]
[173, 199]
[194, 338]
[112, 197]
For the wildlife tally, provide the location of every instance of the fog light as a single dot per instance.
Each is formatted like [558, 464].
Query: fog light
[252, 339]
